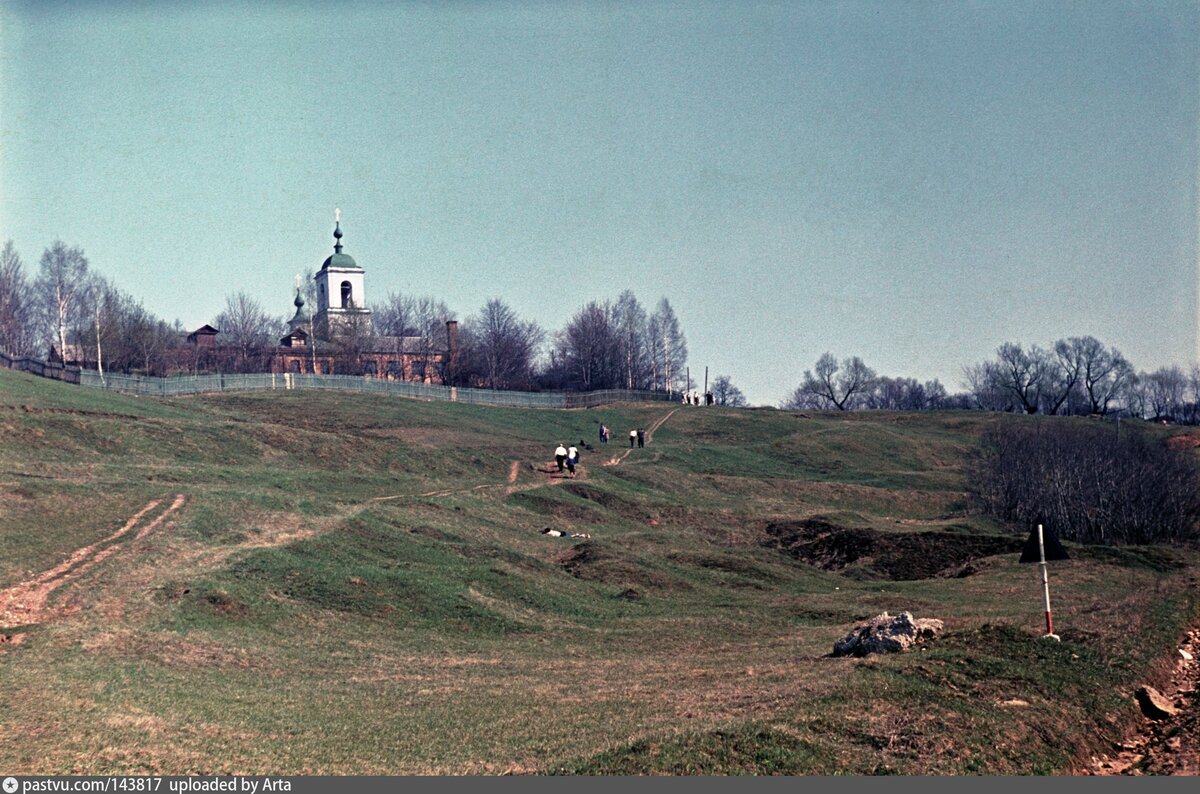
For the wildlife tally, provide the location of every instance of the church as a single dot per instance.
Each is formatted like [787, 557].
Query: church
[337, 338]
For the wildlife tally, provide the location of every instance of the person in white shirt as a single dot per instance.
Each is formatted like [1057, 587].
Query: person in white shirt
[560, 456]
[572, 459]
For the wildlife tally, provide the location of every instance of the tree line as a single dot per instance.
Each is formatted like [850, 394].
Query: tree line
[67, 304]
[1076, 376]
[606, 344]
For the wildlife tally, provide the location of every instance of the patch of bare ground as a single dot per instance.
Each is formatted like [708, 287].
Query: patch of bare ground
[30, 409]
[895, 555]
[560, 511]
[1169, 746]
[593, 562]
[604, 499]
[1184, 441]
[27, 602]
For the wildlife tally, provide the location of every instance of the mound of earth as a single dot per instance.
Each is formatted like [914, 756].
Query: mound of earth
[1184, 441]
[594, 563]
[899, 556]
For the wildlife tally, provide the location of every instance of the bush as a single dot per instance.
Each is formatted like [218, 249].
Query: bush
[1087, 483]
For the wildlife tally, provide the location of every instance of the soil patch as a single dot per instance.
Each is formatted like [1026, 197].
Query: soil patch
[899, 556]
[29, 409]
[27, 602]
[604, 499]
[594, 563]
[1184, 441]
[1170, 746]
[555, 508]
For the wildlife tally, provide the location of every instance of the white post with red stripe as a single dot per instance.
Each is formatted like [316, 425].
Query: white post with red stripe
[1045, 586]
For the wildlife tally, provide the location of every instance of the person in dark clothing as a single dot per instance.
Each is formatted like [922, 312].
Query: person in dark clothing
[603, 434]
[641, 435]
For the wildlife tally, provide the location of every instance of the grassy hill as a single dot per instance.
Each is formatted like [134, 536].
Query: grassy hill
[307, 582]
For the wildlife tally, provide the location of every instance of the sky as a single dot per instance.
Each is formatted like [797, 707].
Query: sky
[914, 183]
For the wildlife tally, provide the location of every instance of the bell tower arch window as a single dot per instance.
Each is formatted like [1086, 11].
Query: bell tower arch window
[347, 295]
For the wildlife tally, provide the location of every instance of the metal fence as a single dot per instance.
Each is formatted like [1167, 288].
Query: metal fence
[210, 384]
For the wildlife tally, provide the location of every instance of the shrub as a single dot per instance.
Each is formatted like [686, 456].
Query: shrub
[1087, 482]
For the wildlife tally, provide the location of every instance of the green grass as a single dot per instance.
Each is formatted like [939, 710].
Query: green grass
[374, 595]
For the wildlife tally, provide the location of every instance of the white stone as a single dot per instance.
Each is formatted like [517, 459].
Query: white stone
[886, 634]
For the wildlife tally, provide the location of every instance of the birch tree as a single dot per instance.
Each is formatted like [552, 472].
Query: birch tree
[62, 277]
[629, 325]
[668, 348]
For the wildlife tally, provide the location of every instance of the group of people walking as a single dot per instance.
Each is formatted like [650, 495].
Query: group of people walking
[566, 457]
[637, 435]
[695, 398]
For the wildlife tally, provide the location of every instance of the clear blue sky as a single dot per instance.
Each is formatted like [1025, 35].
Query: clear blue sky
[911, 182]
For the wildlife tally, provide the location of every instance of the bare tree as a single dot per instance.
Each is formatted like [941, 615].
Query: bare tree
[17, 332]
[246, 326]
[1104, 372]
[898, 394]
[630, 326]
[668, 348]
[586, 351]
[397, 316]
[1093, 485]
[352, 337]
[838, 385]
[936, 396]
[100, 304]
[1190, 410]
[62, 276]
[499, 347]
[150, 339]
[1023, 373]
[1062, 378]
[1165, 392]
[725, 393]
[430, 316]
[983, 386]
[802, 400]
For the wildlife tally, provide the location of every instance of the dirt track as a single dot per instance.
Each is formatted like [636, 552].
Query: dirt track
[27, 603]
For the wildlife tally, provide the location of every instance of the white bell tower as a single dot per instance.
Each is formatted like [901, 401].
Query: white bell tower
[341, 299]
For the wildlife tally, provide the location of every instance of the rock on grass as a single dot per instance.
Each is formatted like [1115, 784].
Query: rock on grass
[887, 634]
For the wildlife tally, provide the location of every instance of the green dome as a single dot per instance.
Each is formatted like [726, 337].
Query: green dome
[339, 260]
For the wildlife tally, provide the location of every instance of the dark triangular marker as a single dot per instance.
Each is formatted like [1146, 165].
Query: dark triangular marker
[1054, 549]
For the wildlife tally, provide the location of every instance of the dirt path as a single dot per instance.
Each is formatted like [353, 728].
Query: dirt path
[514, 469]
[649, 434]
[26, 603]
[1170, 746]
